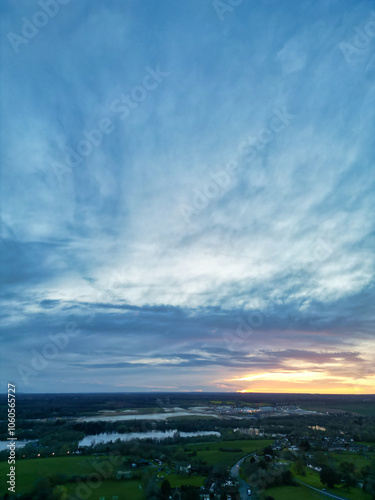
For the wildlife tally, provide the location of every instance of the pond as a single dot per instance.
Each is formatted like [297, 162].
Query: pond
[133, 436]
[19, 444]
[149, 416]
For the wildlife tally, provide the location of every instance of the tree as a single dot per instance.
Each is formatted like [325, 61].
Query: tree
[347, 471]
[304, 445]
[300, 467]
[42, 490]
[320, 458]
[347, 467]
[288, 455]
[262, 464]
[59, 493]
[189, 492]
[165, 489]
[287, 477]
[268, 451]
[220, 471]
[369, 485]
[329, 476]
[349, 481]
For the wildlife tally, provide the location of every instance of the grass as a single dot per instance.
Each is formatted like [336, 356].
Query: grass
[366, 443]
[358, 460]
[365, 409]
[312, 478]
[353, 494]
[293, 492]
[29, 471]
[212, 455]
[124, 490]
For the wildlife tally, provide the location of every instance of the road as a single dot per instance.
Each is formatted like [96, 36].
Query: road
[329, 495]
[235, 472]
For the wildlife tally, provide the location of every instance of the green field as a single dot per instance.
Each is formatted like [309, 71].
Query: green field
[358, 460]
[293, 492]
[212, 455]
[365, 409]
[29, 471]
[312, 478]
[124, 490]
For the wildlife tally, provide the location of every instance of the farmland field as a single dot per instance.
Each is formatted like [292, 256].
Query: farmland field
[358, 460]
[365, 409]
[291, 492]
[124, 490]
[29, 471]
[212, 452]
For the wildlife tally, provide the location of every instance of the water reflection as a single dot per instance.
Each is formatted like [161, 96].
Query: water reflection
[151, 416]
[129, 436]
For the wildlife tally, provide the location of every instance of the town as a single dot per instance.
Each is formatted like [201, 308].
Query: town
[145, 447]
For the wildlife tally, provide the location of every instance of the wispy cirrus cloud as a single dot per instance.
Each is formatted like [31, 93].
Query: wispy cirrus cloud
[109, 249]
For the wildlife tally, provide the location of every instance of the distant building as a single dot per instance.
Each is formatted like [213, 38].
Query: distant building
[266, 408]
[124, 474]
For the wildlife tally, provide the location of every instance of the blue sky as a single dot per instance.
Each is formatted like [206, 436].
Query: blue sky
[187, 195]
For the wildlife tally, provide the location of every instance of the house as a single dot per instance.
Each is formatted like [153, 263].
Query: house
[187, 469]
[124, 474]
[175, 494]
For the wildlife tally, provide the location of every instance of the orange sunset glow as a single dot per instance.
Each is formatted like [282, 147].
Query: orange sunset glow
[304, 382]
[318, 373]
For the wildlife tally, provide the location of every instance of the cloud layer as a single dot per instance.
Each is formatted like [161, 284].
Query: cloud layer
[193, 191]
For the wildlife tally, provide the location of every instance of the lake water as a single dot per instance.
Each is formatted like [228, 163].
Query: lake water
[132, 436]
[150, 416]
[19, 444]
